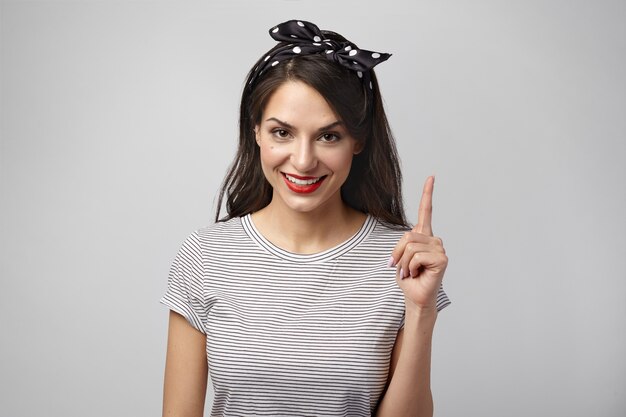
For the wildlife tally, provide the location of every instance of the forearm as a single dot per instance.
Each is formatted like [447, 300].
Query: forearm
[408, 393]
[186, 370]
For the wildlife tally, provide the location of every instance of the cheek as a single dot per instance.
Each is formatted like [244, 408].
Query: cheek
[271, 155]
[339, 161]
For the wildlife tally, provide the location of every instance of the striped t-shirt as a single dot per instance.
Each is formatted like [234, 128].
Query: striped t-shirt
[291, 334]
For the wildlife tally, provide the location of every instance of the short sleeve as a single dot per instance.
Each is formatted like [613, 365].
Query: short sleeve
[442, 299]
[185, 286]
[442, 302]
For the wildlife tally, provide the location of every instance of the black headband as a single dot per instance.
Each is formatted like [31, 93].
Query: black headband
[305, 38]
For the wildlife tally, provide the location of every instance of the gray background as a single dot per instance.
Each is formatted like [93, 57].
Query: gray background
[119, 120]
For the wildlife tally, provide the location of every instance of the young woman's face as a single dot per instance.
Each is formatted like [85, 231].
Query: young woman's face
[306, 151]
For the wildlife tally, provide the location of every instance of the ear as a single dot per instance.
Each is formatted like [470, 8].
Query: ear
[358, 147]
[257, 135]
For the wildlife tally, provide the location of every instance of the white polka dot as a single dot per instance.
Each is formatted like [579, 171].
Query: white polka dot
[355, 63]
[328, 43]
[347, 48]
[353, 53]
[360, 74]
[297, 50]
[293, 36]
[329, 51]
[266, 58]
[275, 30]
[317, 44]
[300, 24]
[317, 38]
[276, 63]
[370, 85]
[375, 55]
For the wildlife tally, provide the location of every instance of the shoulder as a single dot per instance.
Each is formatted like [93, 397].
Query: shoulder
[384, 232]
[218, 229]
[207, 237]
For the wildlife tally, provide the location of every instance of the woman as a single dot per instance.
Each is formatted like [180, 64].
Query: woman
[312, 296]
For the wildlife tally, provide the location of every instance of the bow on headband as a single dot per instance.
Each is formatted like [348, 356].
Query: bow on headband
[305, 38]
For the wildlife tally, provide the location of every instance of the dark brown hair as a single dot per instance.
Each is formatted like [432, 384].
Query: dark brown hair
[374, 184]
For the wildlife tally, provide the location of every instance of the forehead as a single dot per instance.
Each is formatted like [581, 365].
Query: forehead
[298, 103]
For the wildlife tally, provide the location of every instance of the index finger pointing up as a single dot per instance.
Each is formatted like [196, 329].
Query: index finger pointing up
[425, 213]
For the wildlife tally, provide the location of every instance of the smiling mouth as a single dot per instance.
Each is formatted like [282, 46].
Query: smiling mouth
[303, 180]
[303, 185]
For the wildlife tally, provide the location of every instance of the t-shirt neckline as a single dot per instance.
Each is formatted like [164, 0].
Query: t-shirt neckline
[326, 255]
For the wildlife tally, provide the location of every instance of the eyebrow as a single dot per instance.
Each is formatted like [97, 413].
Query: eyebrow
[287, 125]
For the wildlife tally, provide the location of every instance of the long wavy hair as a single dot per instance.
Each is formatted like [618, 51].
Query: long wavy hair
[374, 184]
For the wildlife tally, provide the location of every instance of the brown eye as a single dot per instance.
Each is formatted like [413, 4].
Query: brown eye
[329, 137]
[280, 133]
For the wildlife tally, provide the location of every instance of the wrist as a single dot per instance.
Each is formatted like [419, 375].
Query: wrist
[417, 313]
[420, 309]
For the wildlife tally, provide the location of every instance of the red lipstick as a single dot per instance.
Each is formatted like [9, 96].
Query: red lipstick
[303, 188]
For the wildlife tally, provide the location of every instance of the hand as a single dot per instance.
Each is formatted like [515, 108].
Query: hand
[420, 258]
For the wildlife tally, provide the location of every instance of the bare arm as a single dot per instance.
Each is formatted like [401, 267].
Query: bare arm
[421, 262]
[186, 370]
[408, 392]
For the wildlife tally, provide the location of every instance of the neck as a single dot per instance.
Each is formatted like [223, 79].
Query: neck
[308, 232]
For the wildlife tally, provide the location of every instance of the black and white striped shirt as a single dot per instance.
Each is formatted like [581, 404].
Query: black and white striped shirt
[291, 334]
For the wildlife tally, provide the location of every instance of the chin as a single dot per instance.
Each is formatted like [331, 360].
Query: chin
[303, 207]
[308, 204]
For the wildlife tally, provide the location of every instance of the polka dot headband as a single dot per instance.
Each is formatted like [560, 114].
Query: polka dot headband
[305, 38]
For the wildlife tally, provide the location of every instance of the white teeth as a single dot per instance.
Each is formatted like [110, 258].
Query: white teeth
[302, 182]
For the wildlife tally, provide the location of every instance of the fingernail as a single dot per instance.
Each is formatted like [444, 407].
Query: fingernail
[391, 262]
[401, 273]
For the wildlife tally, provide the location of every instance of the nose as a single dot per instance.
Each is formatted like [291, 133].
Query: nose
[303, 157]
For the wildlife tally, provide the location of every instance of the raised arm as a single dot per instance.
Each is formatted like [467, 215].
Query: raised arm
[186, 370]
[421, 262]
